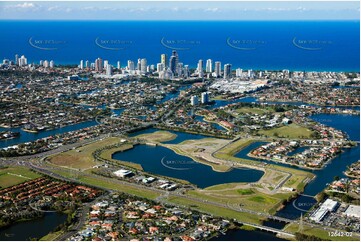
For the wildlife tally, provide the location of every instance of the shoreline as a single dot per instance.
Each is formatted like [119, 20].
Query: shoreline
[59, 127]
[305, 103]
[300, 166]
[209, 163]
[209, 121]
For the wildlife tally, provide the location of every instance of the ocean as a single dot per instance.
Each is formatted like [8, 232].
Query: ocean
[257, 45]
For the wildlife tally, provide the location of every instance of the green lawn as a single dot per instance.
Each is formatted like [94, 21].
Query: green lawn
[292, 131]
[321, 233]
[219, 97]
[258, 111]
[218, 211]
[11, 176]
[250, 199]
[81, 158]
[245, 191]
[222, 186]
[51, 236]
[110, 184]
[120, 187]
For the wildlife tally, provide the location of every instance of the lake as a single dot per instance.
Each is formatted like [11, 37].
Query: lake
[163, 161]
[36, 228]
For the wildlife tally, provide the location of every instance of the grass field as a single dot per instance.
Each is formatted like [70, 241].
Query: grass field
[321, 233]
[51, 236]
[218, 211]
[120, 187]
[158, 136]
[245, 191]
[246, 198]
[258, 111]
[11, 176]
[81, 158]
[292, 131]
[109, 184]
[219, 97]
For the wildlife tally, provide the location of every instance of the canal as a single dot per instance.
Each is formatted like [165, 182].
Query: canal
[247, 235]
[201, 175]
[28, 137]
[347, 123]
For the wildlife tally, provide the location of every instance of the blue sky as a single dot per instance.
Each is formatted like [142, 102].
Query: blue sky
[180, 10]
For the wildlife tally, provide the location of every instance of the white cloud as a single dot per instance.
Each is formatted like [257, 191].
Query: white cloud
[25, 5]
[211, 10]
[53, 8]
[301, 9]
[132, 10]
[88, 8]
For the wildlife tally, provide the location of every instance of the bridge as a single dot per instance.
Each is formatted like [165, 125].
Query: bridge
[305, 195]
[269, 229]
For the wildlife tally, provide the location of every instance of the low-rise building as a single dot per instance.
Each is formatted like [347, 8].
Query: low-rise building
[123, 173]
[353, 211]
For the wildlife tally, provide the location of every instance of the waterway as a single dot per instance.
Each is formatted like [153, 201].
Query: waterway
[28, 137]
[163, 161]
[36, 228]
[202, 175]
[181, 136]
[255, 100]
[347, 123]
[214, 125]
[246, 235]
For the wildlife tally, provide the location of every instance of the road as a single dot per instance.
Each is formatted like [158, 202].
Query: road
[36, 162]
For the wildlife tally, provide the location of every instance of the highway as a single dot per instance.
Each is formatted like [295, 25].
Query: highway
[40, 165]
[37, 162]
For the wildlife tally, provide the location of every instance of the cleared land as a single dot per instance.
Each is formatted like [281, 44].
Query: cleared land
[251, 196]
[218, 211]
[219, 97]
[110, 183]
[292, 131]
[11, 176]
[321, 233]
[259, 111]
[200, 150]
[81, 158]
[158, 136]
[238, 197]
[297, 177]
